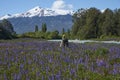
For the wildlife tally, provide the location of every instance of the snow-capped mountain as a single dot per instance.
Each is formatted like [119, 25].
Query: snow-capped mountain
[56, 19]
[38, 11]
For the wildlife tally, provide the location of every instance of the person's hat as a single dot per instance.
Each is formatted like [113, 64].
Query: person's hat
[63, 35]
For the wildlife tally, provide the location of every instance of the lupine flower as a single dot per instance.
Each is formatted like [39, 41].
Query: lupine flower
[100, 62]
[46, 60]
[115, 71]
[5, 77]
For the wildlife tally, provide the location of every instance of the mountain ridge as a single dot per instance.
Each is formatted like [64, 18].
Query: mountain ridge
[38, 11]
[55, 19]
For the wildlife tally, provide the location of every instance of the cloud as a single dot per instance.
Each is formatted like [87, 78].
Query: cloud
[60, 4]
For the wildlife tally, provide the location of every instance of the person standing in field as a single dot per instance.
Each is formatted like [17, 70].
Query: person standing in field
[64, 41]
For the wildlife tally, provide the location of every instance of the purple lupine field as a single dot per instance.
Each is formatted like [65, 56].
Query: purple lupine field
[45, 60]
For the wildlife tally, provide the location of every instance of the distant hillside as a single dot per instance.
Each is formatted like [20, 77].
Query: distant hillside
[26, 24]
[55, 19]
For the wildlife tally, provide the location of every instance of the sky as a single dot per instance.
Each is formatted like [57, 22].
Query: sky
[20, 6]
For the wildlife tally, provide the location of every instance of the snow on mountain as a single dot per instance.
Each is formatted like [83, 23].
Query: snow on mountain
[38, 11]
[103, 10]
[6, 16]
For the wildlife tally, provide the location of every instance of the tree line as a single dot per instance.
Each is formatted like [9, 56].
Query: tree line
[7, 32]
[42, 33]
[93, 23]
[87, 24]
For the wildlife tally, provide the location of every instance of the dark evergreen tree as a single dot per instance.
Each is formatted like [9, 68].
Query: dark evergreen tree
[36, 28]
[6, 30]
[44, 27]
[8, 26]
[63, 31]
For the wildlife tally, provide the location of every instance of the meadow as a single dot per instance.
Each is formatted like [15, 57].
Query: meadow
[45, 60]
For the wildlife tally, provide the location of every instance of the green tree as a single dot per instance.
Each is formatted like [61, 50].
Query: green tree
[117, 21]
[79, 20]
[44, 27]
[92, 23]
[36, 28]
[8, 26]
[108, 27]
[69, 33]
[91, 27]
[55, 34]
[63, 31]
[85, 25]
[6, 30]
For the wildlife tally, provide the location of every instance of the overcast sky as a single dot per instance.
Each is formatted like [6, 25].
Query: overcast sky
[19, 6]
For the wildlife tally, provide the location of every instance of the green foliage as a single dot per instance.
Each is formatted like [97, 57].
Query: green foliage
[108, 38]
[79, 19]
[89, 52]
[29, 35]
[42, 35]
[108, 27]
[63, 31]
[101, 51]
[116, 60]
[117, 21]
[7, 25]
[55, 35]
[44, 27]
[36, 28]
[6, 30]
[91, 23]
[68, 34]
